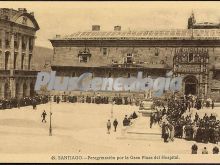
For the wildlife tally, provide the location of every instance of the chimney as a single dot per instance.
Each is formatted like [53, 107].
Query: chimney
[58, 35]
[95, 27]
[117, 28]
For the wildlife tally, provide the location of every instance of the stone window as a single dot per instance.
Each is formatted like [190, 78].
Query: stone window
[84, 56]
[156, 52]
[83, 59]
[129, 58]
[104, 51]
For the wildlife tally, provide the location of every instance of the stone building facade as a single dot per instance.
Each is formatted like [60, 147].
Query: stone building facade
[17, 38]
[193, 54]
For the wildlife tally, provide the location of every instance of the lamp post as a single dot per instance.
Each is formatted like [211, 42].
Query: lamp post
[50, 128]
[112, 109]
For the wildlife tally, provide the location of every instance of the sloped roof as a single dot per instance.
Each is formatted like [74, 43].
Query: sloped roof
[174, 34]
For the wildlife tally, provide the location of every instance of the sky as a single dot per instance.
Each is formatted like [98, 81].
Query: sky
[68, 17]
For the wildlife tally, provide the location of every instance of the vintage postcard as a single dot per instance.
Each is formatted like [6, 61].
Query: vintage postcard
[109, 82]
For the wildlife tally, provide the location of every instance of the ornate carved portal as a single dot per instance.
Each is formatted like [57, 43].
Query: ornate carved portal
[192, 65]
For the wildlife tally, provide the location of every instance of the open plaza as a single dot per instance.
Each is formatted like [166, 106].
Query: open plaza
[80, 128]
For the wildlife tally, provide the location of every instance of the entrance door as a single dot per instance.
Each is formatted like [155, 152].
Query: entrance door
[191, 86]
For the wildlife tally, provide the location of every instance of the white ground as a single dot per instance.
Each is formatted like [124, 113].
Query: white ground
[80, 128]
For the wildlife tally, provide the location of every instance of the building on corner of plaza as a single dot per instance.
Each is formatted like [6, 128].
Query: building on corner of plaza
[17, 38]
[192, 53]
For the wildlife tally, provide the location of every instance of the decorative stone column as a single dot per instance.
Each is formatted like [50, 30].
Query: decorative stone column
[26, 54]
[12, 86]
[19, 56]
[31, 63]
[20, 90]
[11, 58]
[2, 58]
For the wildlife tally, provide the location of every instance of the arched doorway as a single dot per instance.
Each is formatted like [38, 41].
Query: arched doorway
[191, 85]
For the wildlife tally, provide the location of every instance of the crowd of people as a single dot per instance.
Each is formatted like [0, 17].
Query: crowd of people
[194, 149]
[25, 101]
[175, 124]
[98, 99]
[127, 121]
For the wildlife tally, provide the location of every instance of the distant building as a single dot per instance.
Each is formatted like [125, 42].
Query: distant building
[193, 55]
[202, 25]
[17, 38]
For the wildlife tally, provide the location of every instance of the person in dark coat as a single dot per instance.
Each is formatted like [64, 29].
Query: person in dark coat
[115, 124]
[163, 130]
[166, 133]
[215, 150]
[194, 149]
[213, 104]
[44, 114]
[134, 115]
[126, 121]
[196, 117]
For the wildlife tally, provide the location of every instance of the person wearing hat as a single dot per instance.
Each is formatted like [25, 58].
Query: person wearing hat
[115, 123]
[194, 149]
[215, 150]
[216, 134]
